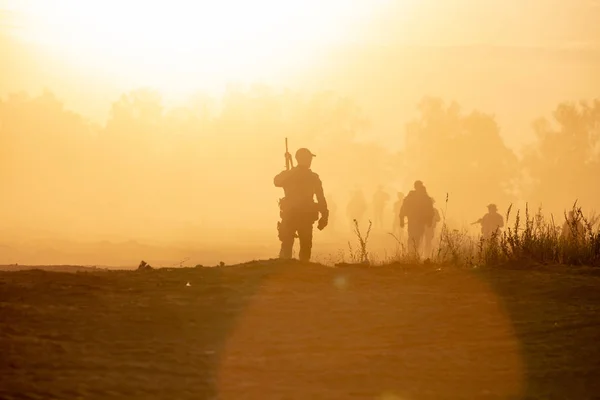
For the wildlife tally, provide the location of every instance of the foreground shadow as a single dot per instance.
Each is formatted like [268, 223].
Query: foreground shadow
[289, 330]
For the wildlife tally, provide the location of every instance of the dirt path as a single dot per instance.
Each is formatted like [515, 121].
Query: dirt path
[275, 331]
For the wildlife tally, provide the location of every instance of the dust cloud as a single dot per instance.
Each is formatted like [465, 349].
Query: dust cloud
[94, 171]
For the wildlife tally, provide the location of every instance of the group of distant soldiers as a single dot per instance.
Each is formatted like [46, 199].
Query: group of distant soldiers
[299, 211]
[357, 207]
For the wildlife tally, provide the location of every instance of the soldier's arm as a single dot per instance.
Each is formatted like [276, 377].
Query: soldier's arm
[403, 210]
[281, 178]
[321, 201]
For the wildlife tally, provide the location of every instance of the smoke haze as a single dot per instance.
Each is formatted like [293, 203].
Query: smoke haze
[107, 161]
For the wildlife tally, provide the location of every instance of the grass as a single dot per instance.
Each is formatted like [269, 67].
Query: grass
[359, 254]
[526, 239]
[283, 329]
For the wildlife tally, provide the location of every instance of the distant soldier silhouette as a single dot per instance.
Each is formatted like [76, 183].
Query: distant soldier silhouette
[491, 222]
[332, 212]
[357, 207]
[298, 209]
[573, 229]
[418, 208]
[396, 230]
[380, 199]
[430, 230]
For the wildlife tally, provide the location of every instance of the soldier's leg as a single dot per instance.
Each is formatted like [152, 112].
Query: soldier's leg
[399, 231]
[420, 234]
[412, 240]
[415, 237]
[305, 235]
[428, 242]
[287, 231]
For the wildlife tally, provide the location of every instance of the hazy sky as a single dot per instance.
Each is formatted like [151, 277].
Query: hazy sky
[89, 52]
[514, 59]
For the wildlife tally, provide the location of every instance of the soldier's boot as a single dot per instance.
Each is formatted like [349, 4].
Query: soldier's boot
[285, 253]
[286, 236]
[305, 236]
[305, 252]
[428, 245]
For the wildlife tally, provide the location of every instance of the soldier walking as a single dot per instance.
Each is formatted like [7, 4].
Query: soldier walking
[418, 208]
[430, 230]
[573, 230]
[380, 199]
[356, 209]
[298, 209]
[490, 222]
[396, 230]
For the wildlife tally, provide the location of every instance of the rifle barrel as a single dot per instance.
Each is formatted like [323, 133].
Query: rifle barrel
[287, 155]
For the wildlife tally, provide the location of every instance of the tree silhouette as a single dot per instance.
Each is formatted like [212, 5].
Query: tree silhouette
[563, 165]
[45, 159]
[463, 155]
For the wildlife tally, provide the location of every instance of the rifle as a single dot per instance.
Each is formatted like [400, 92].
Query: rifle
[289, 163]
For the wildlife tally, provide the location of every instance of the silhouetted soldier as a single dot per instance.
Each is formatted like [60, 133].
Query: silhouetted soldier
[298, 208]
[418, 208]
[572, 229]
[490, 222]
[380, 199]
[396, 230]
[356, 208]
[430, 230]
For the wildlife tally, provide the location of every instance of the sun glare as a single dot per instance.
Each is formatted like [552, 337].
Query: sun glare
[180, 43]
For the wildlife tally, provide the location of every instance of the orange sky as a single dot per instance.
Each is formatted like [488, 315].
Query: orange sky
[91, 52]
[515, 59]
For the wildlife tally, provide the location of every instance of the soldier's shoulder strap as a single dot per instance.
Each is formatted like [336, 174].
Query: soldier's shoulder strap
[315, 176]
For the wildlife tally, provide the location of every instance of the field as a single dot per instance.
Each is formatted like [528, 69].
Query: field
[274, 330]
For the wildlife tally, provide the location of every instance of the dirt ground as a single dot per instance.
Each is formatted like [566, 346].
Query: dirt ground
[272, 330]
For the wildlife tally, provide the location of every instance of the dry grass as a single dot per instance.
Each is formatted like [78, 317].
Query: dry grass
[360, 254]
[526, 239]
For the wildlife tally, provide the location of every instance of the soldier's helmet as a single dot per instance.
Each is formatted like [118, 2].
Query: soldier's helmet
[304, 154]
[492, 207]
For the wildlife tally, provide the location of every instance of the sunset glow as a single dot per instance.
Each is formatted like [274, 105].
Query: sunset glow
[177, 44]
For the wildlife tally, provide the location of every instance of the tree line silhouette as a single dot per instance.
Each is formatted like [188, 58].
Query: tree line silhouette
[211, 161]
